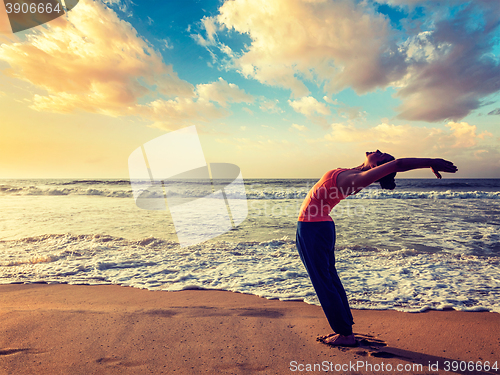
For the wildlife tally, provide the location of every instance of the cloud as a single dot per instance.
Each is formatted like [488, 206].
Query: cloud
[442, 69]
[176, 113]
[472, 150]
[382, 133]
[404, 2]
[494, 112]
[407, 139]
[249, 144]
[421, 48]
[223, 92]
[95, 62]
[309, 106]
[455, 67]
[210, 26]
[123, 5]
[321, 41]
[464, 135]
[300, 128]
[166, 44]
[479, 154]
[312, 109]
[351, 113]
[330, 101]
[270, 105]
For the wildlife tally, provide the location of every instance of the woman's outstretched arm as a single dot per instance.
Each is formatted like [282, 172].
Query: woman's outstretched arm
[437, 165]
[352, 181]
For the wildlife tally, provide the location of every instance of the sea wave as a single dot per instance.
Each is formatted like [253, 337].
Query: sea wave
[54, 191]
[269, 194]
[382, 194]
[448, 194]
[95, 182]
[405, 280]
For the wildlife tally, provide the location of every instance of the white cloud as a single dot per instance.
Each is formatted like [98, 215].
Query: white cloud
[270, 105]
[300, 128]
[404, 2]
[223, 92]
[351, 113]
[211, 28]
[309, 106]
[123, 5]
[330, 101]
[422, 48]
[178, 112]
[167, 44]
[200, 40]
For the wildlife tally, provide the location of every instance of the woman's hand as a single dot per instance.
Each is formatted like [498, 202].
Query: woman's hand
[442, 165]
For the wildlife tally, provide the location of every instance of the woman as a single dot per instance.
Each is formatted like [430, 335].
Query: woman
[316, 230]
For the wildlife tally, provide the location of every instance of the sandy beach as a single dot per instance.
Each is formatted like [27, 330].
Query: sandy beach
[107, 329]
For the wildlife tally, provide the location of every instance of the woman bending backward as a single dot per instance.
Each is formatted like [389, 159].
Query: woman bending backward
[316, 229]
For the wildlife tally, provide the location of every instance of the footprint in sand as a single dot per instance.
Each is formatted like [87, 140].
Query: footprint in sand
[117, 362]
[369, 344]
[11, 351]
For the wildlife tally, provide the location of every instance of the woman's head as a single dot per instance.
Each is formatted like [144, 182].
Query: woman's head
[376, 158]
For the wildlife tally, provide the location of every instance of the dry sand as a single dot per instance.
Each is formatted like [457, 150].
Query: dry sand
[108, 329]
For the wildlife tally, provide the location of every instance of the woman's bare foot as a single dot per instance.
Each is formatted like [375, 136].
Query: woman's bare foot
[339, 340]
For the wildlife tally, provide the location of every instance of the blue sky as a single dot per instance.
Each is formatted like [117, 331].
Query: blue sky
[282, 88]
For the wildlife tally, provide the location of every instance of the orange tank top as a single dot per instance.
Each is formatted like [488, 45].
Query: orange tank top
[321, 199]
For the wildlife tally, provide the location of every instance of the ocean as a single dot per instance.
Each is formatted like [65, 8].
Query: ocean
[429, 244]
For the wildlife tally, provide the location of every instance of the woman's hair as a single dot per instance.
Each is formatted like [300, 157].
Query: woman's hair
[388, 181]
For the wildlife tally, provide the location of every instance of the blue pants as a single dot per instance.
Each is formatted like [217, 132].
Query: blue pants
[316, 243]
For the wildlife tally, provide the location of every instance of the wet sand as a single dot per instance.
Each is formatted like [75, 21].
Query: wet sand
[108, 329]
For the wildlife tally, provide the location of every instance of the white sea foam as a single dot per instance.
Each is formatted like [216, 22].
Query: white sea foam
[403, 280]
[448, 194]
[252, 192]
[54, 191]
